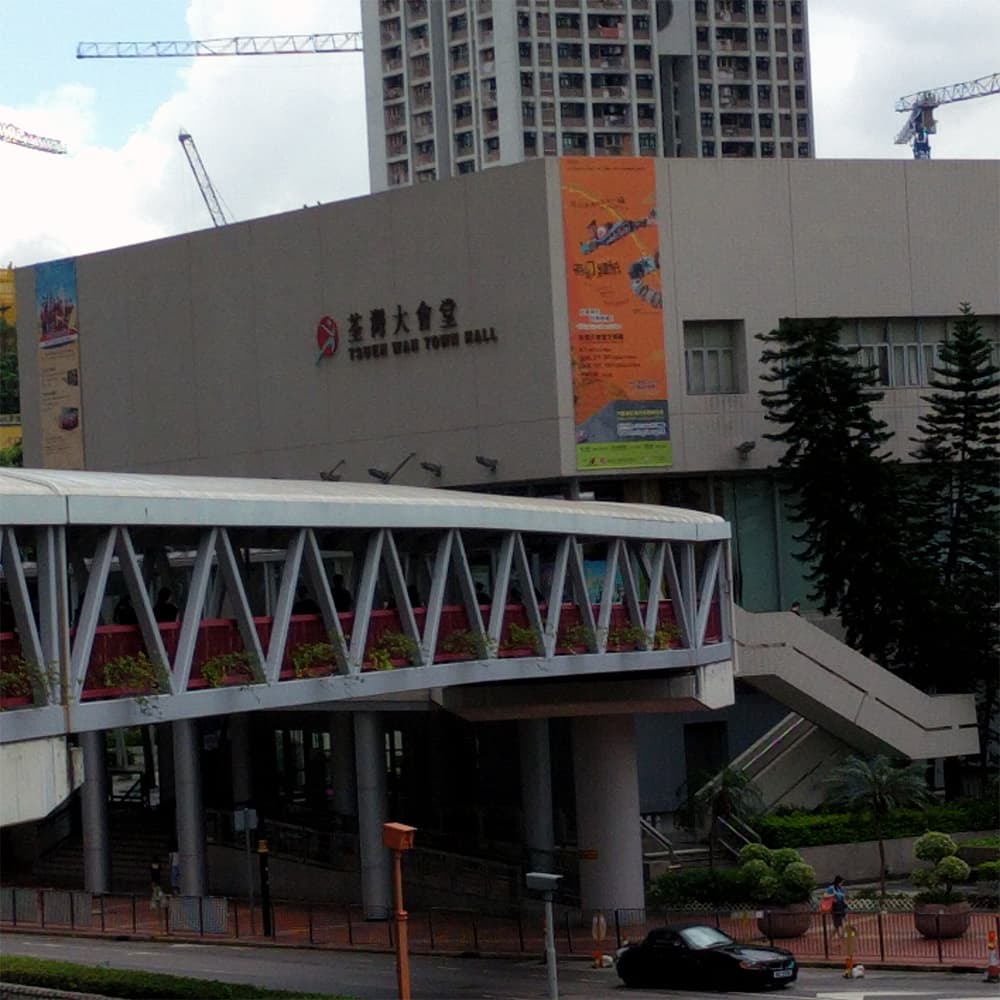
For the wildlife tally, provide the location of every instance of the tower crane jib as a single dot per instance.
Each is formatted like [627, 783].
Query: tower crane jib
[240, 45]
[205, 185]
[921, 123]
[19, 137]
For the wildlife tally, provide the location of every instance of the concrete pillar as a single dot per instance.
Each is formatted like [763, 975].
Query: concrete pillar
[190, 817]
[376, 869]
[536, 793]
[239, 751]
[607, 812]
[345, 779]
[94, 809]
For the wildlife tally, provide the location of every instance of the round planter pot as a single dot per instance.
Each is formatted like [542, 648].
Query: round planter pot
[789, 921]
[938, 920]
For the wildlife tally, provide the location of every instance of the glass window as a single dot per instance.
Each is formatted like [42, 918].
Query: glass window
[710, 348]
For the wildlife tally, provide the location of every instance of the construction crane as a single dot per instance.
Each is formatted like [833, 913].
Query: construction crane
[212, 200]
[240, 45]
[16, 135]
[921, 105]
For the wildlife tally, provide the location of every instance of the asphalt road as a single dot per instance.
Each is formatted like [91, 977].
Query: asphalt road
[369, 976]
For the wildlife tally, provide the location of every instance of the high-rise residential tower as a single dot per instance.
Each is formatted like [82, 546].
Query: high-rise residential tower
[455, 86]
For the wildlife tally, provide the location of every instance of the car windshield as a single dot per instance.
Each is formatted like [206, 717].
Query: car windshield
[704, 937]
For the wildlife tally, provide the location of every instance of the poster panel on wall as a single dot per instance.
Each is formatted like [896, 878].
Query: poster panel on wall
[614, 298]
[59, 365]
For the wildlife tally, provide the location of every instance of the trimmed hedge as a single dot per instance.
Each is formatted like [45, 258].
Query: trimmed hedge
[795, 829]
[127, 983]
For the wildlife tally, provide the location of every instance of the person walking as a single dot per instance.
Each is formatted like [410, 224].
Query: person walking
[838, 906]
[155, 881]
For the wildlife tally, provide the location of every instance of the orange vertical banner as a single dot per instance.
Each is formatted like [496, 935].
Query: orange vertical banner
[614, 298]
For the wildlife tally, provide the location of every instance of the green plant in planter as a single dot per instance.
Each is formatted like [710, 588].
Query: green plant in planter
[666, 636]
[218, 668]
[576, 635]
[626, 637]
[473, 644]
[137, 675]
[520, 637]
[777, 877]
[312, 658]
[15, 678]
[390, 646]
[947, 869]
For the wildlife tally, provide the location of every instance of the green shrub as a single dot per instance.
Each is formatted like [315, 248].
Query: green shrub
[987, 871]
[776, 877]
[814, 829]
[947, 868]
[758, 852]
[132, 984]
[698, 885]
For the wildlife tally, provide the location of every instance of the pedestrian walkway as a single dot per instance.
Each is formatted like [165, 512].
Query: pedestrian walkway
[881, 938]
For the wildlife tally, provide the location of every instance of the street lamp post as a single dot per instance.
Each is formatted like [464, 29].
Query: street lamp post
[398, 838]
[546, 884]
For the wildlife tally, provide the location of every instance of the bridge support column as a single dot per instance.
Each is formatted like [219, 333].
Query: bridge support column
[345, 779]
[376, 872]
[239, 752]
[94, 809]
[190, 818]
[536, 792]
[607, 812]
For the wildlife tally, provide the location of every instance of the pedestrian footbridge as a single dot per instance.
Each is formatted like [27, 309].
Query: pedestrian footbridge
[455, 596]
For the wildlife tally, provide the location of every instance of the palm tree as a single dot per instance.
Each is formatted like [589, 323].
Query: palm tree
[878, 786]
[729, 795]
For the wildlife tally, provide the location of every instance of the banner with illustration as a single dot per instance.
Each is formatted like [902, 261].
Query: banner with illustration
[59, 365]
[612, 251]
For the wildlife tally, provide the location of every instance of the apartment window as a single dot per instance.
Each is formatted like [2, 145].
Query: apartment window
[708, 149]
[527, 83]
[469, 167]
[802, 124]
[800, 95]
[796, 36]
[799, 65]
[705, 91]
[767, 149]
[647, 140]
[524, 50]
[760, 8]
[707, 120]
[761, 36]
[763, 65]
[710, 353]
[767, 121]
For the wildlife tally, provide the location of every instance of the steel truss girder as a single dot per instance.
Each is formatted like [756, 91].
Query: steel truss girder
[639, 575]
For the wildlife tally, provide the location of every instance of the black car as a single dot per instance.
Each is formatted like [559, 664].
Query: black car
[699, 956]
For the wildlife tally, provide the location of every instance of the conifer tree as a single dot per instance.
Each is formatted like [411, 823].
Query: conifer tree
[955, 520]
[844, 488]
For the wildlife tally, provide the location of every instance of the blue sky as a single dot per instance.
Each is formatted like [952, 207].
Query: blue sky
[277, 133]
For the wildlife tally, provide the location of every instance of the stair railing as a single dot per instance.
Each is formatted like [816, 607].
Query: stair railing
[662, 839]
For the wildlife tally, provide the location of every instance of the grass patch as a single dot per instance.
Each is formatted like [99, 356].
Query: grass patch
[135, 985]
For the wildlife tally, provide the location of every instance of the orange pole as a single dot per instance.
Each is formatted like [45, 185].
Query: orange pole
[402, 931]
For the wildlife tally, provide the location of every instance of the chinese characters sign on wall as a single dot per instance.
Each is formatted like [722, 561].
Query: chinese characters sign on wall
[382, 333]
[612, 252]
[59, 365]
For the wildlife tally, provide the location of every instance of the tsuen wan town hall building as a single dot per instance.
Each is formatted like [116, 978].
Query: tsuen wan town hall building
[510, 420]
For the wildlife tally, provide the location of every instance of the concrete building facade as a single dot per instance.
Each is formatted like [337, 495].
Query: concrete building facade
[424, 334]
[458, 86]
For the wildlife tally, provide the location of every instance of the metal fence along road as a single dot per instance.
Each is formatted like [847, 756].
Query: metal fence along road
[879, 936]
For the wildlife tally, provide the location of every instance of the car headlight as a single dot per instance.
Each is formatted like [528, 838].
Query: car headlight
[750, 965]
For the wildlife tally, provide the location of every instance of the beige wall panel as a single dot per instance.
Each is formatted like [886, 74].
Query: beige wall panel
[27, 360]
[954, 213]
[851, 238]
[137, 348]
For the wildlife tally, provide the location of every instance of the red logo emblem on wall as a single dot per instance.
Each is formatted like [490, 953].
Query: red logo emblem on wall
[327, 338]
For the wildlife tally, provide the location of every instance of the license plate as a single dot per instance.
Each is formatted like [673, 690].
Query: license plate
[782, 973]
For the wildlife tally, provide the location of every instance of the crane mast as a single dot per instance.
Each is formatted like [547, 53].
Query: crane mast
[921, 123]
[19, 137]
[240, 45]
[208, 192]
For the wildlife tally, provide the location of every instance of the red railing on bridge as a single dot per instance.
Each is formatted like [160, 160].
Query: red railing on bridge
[456, 642]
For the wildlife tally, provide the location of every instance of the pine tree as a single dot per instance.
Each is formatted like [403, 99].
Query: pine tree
[844, 488]
[956, 516]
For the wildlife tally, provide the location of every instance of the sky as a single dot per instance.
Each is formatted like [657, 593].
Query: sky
[279, 132]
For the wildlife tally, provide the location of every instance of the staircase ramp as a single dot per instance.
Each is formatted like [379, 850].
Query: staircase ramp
[848, 696]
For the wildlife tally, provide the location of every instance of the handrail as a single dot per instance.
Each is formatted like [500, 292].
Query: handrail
[660, 838]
